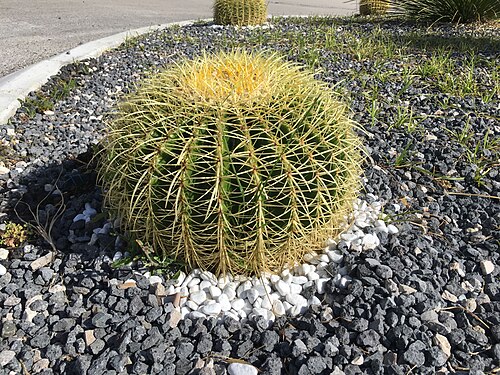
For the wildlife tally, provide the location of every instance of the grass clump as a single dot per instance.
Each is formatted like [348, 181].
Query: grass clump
[240, 12]
[236, 162]
[13, 235]
[456, 11]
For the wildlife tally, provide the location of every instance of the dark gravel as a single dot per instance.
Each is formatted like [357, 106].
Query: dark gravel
[419, 303]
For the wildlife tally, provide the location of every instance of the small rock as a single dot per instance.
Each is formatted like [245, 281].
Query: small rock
[224, 302]
[358, 360]
[487, 267]
[370, 241]
[155, 280]
[42, 261]
[241, 369]
[175, 318]
[4, 254]
[278, 308]
[211, 309]
[392, 229]
[8, 355]
[89, 337]
[127, 284]
[406, 289]
[447, 296]
[443, 344]
[199, 297]
[282, 288]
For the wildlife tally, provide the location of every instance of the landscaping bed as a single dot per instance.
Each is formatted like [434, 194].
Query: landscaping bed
[424, 300]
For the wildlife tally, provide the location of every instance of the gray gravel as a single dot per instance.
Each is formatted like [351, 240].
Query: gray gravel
[422, 299]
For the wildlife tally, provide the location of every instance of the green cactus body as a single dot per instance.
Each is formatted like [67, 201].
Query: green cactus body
[373, 7]
[235, 163]
[240, 12]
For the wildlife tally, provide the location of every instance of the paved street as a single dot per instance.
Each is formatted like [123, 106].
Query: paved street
[33, 30]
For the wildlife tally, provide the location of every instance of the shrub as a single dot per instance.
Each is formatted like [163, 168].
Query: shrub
[373, 7]
[240, 12]
[235, 163]
[459, 11]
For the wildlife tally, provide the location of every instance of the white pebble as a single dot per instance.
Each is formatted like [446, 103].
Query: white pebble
[241, 369]
[199, 297]
[278, 309]
[194, 281]
[311, 276]
[370, 241]
[180, 279]
[194, 288]
[230, 292]
[274, 279]
[288, 306]
[300, 280]
[321, 285]
[335, 256]
[224, 302]
[192, 305]
[487, 267]
[237, 304]
[345, 281]
[295, 289]
[214, 291]
[205, 285]
[242, 289]
[198, 314]
[213, 308]
[3, 270]
[263, 290]
[282, 288]
[187, 280]
[313, 301]
[267, 303]
[155, 280]
[185, 311]
[4, 254]
[392, 229]
[252, 295]
[208, 276]
[296, 299]
[298, 309]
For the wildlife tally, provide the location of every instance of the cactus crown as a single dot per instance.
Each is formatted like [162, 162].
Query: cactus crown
[240, 12]
[234, 163]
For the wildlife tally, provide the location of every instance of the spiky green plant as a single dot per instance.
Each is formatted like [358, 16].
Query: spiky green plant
[240, 12]
[373, 7]
[458, 11]
[235, 163]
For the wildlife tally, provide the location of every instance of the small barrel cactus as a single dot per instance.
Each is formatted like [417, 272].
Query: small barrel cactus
[235, 163]
[240, 12]
[373, 7]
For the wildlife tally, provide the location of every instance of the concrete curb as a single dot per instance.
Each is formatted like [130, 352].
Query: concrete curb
[16, 86]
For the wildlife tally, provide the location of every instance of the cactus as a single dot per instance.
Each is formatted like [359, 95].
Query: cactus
[373, 7]
[240, 12]
[235, 163]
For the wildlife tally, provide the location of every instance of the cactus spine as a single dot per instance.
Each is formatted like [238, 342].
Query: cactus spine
[235, 163]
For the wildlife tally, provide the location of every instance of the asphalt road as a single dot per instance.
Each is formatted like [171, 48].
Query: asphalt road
[33, 30]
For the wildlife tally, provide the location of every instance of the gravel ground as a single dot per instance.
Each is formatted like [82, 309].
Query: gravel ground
[425, 301]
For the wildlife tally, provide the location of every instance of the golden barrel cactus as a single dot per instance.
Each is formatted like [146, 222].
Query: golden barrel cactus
[373, 7]
[240, 12]
[235, 163]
